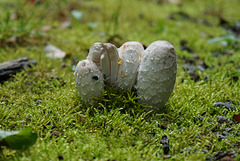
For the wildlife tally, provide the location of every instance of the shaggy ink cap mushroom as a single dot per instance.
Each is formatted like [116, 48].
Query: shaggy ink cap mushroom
[105, 55]
[157, 74]
[95, 52]
[130, 54]
[89, 80]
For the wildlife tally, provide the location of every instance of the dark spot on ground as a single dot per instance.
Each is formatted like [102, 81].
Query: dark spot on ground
[165, 143]
[184, 47]
[60, 157]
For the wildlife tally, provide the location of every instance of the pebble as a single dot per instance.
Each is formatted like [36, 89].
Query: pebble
[227, 105]
[228, 129]
[165, 142]
[222, 119]
[182, 129]
[225, 133]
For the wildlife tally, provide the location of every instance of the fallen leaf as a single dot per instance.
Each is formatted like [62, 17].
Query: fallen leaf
[223, 40]
[227, 158]
[54, 52]
[236, 117]
[18, 140]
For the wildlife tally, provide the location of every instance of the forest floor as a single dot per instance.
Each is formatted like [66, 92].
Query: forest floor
[198, 119]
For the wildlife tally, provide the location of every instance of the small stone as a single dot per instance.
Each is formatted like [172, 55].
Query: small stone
[182, 129]
[238, 134]
[195, 56]
[226, 158]
[34, 62]
[228, 129]
[225, 133]
[165, 142]
[227, 105]
[222, 119]
[205, 151]
[190, 68]
[234, 145]
[232, 153]
[54, 52]
[202, 66]
[220, 137]
[219, 155]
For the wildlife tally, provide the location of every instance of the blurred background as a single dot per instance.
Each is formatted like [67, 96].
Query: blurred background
[198, 29]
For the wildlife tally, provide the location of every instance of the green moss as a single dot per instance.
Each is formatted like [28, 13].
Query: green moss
[117, 127]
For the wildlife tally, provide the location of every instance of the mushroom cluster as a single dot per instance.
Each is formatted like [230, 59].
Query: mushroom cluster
[151, 71]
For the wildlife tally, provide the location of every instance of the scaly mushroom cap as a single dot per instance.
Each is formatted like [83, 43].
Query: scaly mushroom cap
[130, 54]
[157, 74]
[95, 52]
[105, 55]
[89, 80]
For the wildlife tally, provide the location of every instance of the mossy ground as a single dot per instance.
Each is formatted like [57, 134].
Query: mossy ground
[44, 97]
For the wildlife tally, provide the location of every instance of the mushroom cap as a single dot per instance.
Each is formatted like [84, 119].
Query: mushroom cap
[89, 80]
[105, 55]
[157, 74]
[95, 52]
[130, 54]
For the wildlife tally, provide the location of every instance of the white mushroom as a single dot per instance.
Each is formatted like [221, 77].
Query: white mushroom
[157, 74]
[95, 52]
[105, 55]
[89, 80]
[130, 54]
